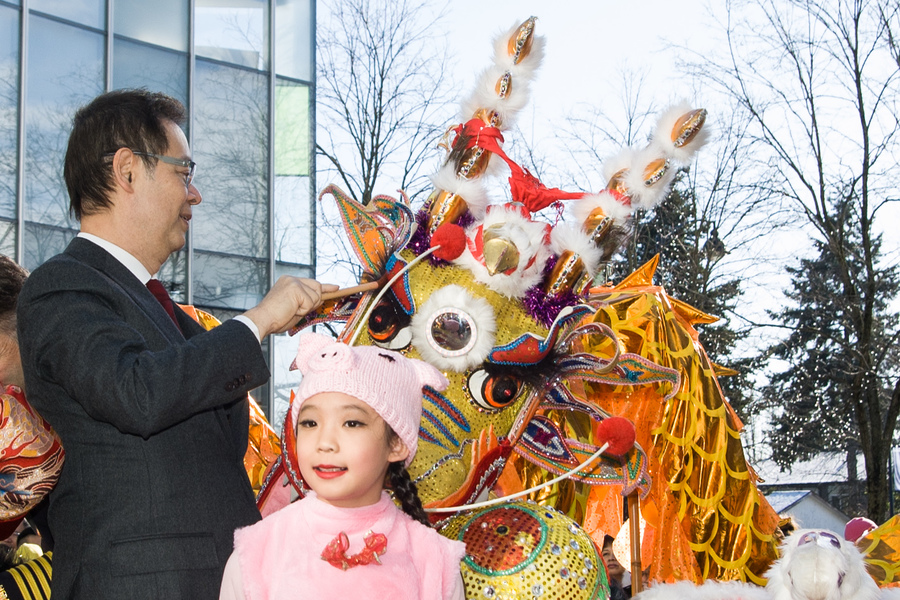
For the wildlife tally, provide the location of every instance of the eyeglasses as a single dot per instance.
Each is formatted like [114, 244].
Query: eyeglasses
[190, 165]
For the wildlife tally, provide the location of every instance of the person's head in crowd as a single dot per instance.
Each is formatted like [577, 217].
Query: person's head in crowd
[615, 569]
[12, 277]
[132, 119]
[857, 528]
[129, 173]
[28, 536]
[12, 540]
[26, 553]
[786, 526]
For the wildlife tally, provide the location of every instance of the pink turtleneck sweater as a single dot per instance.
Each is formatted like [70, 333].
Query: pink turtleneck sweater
[280, 556]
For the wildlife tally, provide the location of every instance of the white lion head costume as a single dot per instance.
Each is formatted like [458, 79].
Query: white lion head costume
[820, 565]
[814, 565]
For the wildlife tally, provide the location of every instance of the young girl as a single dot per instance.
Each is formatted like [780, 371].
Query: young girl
[357, 418]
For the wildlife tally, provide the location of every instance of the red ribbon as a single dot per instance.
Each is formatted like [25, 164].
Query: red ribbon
[335, 553]
[525, 187]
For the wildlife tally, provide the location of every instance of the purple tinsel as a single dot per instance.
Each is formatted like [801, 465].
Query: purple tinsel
[542, 307]
[421, 239]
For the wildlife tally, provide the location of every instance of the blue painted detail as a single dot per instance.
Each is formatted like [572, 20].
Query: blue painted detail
[439, 401]
[436, 423]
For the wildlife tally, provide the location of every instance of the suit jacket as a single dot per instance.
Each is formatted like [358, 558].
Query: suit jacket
[154, 427]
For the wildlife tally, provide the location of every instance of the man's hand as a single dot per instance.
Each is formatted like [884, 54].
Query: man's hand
[286, 303]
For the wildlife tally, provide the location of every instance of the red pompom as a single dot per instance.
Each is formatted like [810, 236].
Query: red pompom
[452, 241]
[618, 433]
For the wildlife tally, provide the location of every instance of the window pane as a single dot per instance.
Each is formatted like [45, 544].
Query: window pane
[139, 65]
[87, 12]
[285, 348]
[291, 128]
[293, 33]
[283, 379]
[293, 214]
[9, 115]
[65, 72]
[230, 133]
[161, 22]
[172, 275]
[222, 281]
[233, 31]
[293, 270]
[43, 242]
[8, 238]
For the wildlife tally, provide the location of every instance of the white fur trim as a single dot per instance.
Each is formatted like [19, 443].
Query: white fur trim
[457, 298]
[581, 209]
[662, 137]
[526, 66]
[511, 286]
[485, 96]
[643, 196]
[472, 190]
[527, 235]
[623, 159]
[710, 590]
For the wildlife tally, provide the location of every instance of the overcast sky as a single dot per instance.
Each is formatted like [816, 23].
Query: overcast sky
[588, 43]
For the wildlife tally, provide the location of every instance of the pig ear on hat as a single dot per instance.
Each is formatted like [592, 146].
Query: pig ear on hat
[312, 348]
[430, 376]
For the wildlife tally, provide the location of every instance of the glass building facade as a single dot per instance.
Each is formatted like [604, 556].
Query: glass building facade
[245, 71]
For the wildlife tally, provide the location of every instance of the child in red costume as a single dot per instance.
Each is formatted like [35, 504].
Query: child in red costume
[357, 420]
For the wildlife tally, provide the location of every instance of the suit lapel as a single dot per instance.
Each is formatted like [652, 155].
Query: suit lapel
[93, 255]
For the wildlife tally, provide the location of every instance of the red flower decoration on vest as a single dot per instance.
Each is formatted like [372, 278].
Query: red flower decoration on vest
[335, 552]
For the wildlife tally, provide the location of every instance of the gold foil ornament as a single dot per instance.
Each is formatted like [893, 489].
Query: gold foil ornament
[444, 207]
[687, 127]
[489, 117]
[520, 43]
[616, 183]
[597, 225]
[500, 253]
[568, 274]
[655, 171]
[504, 85]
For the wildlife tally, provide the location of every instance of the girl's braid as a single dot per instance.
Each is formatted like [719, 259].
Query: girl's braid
[405, 491]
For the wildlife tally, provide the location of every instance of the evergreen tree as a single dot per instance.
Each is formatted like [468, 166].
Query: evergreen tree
[689, 249]
[819, 79]
[812, 399]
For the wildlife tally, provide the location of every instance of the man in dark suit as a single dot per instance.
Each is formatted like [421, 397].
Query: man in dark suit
[151, 409]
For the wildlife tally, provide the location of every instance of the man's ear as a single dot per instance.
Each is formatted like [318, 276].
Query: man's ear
[399, 451]
[124, 165]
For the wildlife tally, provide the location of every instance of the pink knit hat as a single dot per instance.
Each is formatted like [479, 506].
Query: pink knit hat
[387, 381]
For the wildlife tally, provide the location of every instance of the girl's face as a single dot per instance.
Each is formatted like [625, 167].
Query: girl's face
[343, 450]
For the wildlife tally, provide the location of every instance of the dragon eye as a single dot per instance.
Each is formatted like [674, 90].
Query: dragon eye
[453, 329]
[388, 327]
[494, 392]
[452, 333]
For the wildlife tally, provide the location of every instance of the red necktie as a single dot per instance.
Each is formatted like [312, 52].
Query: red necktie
[160, 293]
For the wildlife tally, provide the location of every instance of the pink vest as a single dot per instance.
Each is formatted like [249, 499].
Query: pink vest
[280, 556]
